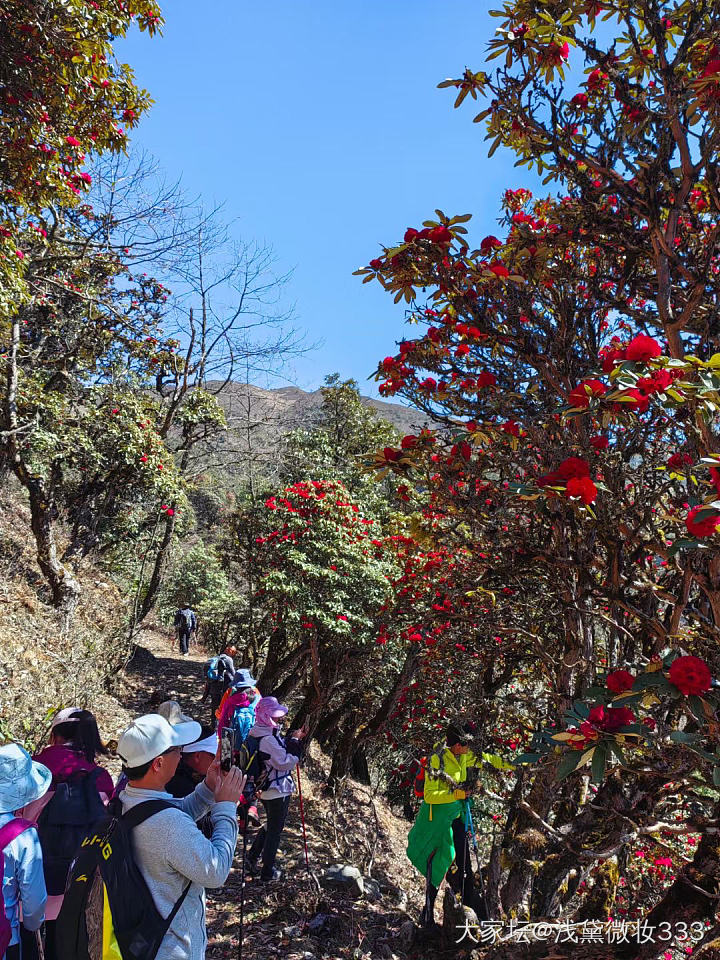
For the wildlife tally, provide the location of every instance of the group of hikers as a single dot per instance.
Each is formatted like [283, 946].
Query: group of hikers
[102, 870]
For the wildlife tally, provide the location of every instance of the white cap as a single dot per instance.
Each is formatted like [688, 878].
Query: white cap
[207, 745]
[149, 736]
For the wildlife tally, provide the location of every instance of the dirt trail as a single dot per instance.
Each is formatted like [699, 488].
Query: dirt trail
[357, 829]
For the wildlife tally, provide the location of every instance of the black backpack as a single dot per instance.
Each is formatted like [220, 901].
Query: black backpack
[106, 860]
[252, 761]
[70, 813]
[186, 619]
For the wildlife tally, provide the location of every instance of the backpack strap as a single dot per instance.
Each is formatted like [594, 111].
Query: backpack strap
[139, 814]
[12, 830]
[143, 811]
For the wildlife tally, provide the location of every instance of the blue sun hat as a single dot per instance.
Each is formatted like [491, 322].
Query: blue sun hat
[22, 779]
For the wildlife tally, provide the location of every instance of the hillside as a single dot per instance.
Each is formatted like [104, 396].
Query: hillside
[259, 417]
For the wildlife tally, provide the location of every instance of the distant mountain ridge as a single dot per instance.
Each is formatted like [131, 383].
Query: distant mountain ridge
[268, 414]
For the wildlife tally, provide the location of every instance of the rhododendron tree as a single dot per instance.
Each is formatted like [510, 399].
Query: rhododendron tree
[63, 97]
[571, 368]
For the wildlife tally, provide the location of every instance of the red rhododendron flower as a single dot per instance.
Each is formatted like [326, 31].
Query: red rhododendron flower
[690, 675]
[579, 101]
[611, 719]
[486, 379]
[599, 443]
[620, 681]
[715, 478]
[440, 235]
[581, 395]
[511, 427]
[499, 269]
[705, 526]
[635, 402]
[680, 460]
[658, 382]
[611, 356]
[642, 348]
[573, 467]
[488, 244]
[582, 487]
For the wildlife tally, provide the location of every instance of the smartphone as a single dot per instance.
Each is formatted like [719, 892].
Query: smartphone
[227, 742]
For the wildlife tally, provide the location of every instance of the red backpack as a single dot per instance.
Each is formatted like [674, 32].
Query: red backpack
[8, 833]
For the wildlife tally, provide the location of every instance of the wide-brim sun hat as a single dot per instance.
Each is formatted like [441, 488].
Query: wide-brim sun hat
[172, 712]
[243, 678]
[150, 736]
[268, 710]
[22, 779]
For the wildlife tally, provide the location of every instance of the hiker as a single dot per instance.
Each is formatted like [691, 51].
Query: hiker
[185, 627]
[219, 673]
[66, 813]
[238, 713]
[237, 709]
[437, 841]
[277, 783]
[22, 780]
[173, 856]
[195, 761]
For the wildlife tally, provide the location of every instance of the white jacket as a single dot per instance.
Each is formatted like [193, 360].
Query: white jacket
[279, 762]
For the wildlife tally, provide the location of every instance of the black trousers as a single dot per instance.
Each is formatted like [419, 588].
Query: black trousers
[184, 638]
[215, 698]
[268, 839]
[27, 949]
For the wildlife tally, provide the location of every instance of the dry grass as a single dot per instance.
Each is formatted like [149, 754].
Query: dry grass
[42, 667]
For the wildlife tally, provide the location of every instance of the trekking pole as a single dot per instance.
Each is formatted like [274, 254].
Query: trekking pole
[242, 887]
[302, 818]
[471, 827]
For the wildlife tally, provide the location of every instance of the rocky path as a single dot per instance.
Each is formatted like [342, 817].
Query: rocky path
[297, 918]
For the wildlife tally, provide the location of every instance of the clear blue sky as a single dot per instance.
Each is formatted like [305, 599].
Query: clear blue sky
[320, 126]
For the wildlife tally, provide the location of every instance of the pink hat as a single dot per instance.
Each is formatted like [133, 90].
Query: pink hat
[267, 710]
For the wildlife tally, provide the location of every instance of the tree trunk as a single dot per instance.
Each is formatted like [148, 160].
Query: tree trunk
[156, 577]
[64, 587]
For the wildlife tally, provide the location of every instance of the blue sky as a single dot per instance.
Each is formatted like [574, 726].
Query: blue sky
[320, 126]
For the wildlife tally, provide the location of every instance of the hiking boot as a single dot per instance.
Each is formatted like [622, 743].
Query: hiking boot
[253, 819]
[252, 866]
[276, 875]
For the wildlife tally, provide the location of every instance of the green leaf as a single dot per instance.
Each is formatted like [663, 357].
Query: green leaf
[716, 776]
[597, 765]
[681, 736]
[568, 763]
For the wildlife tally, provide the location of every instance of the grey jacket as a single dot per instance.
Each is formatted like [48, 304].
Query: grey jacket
[170, 850]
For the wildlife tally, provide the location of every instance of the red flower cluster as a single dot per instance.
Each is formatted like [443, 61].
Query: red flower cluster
[439, 234]
[642, 348]
[610, 719]
[583, 393]
[554, 54]
[574, 473]
[620, 681]
[599, 443]
[680, 460]
[690, 675]
[705, 526]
